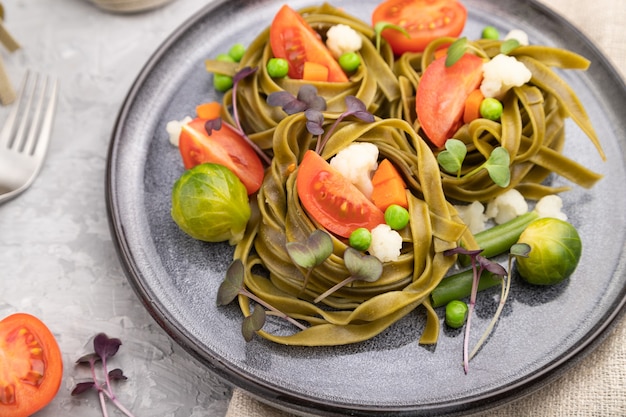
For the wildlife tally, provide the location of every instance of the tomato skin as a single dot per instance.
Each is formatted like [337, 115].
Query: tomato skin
[424, 20]
[332, 200]
[225, 147]
[27, 345]
[293, 39]
[441, 95]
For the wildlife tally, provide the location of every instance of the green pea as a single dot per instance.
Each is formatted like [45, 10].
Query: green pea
[224, 58]
[236, 52]
[277, 67]
[491, 108]
[456, 313]
[222, 82]
[360, 239]
[489, 32]
[396, 217]
[350, 61]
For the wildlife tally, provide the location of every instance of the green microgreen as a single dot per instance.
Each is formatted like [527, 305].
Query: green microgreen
[317, 248]
[104, 349]
[497, 165]
[381, 26]
[361, 268]
[456, 50]
[233, 286]
[451, 159]
[479, 264]
[509, 45]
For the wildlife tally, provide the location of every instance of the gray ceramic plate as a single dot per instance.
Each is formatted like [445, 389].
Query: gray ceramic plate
[542, 332]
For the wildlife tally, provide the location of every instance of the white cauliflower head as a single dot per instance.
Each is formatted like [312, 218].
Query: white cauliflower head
[519, 35]
[550, 206]
[507, 206]
[473, 215]
[386, 243]
[341, 39]
[173, 129]
[502, 73]
[357, 162]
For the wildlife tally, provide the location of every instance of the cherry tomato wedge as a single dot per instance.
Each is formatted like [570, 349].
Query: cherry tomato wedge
[424, 20]
[332, 200]
[31, 365]
[293, 39]
[441, 95]
[225, 147]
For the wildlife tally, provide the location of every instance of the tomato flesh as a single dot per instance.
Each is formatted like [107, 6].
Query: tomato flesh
[333, 201]
[441, 95]
[293, 39]
[424, 20]
[225, 147]
[31, 365]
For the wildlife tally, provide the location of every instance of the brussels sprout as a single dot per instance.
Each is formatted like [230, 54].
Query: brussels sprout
[555, 249]
[210, 203]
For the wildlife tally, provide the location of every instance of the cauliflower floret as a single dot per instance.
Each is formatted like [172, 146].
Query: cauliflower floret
[473, 215]
[519, 35]
[550, 206]
[357, 162]
[173, 129]
[502, 73]
[341, 39]
[507, 206]
[386, 243]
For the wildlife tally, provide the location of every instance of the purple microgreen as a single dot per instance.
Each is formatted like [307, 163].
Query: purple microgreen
[459, 250]
[308, 94]
[104, 348]
[309, 254]
[240, 75]
[508, 46]
[213, 124]
[361, 267]
[253, 323]
[234, 285]
[354, 107]
[521, 250]
[498, 167]
[314, 121]
[289, 103]
[451, 159]
[380, 26]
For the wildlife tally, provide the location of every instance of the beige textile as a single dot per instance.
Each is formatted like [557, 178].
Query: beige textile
[596, 386]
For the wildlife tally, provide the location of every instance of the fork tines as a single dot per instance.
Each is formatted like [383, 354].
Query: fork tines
[25, 124]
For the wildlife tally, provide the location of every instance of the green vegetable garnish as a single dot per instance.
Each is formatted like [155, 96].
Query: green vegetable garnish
[509, 45]
[277, 67]
[380, 26]
[236, 51]
[555, 249]
[451, 159]
[490, 32]
[491, 108]
[350, 61]
[456, 313]
[360, 239]
[455, 51]
[397, 217]
[222, 83]
[210, 203]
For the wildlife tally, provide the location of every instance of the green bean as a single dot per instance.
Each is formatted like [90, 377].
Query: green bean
[459, 286]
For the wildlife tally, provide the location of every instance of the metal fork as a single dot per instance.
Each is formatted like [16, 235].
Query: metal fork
[26, 133]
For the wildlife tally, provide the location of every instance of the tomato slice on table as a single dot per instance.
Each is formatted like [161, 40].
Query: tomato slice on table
[424, 20]
[225, 147]
[31, 365]
[332, 200]
[293, 39]
[441, 95]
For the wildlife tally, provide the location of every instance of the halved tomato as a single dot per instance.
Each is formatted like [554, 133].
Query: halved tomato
[424, 20]
[31, 365]
[225, 147]
[293, 39]
[332, 200]
[441, 95]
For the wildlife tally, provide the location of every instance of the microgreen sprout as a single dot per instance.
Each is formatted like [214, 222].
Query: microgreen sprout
[517, 250]
[104, 349]
[232, 286]
[479, 264]
[497, 165]
[317, 248]
[361, 267]
[451, 159]
[381, 26]
[458, 48]
[307, 99]
[508, 46]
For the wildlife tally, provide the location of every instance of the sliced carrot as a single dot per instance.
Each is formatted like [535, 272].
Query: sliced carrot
[441, 52]
[472, 106]
[389, 187]
[315, 72]
[209, 111]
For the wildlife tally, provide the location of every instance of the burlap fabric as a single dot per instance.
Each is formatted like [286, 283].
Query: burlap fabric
[596, 386]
